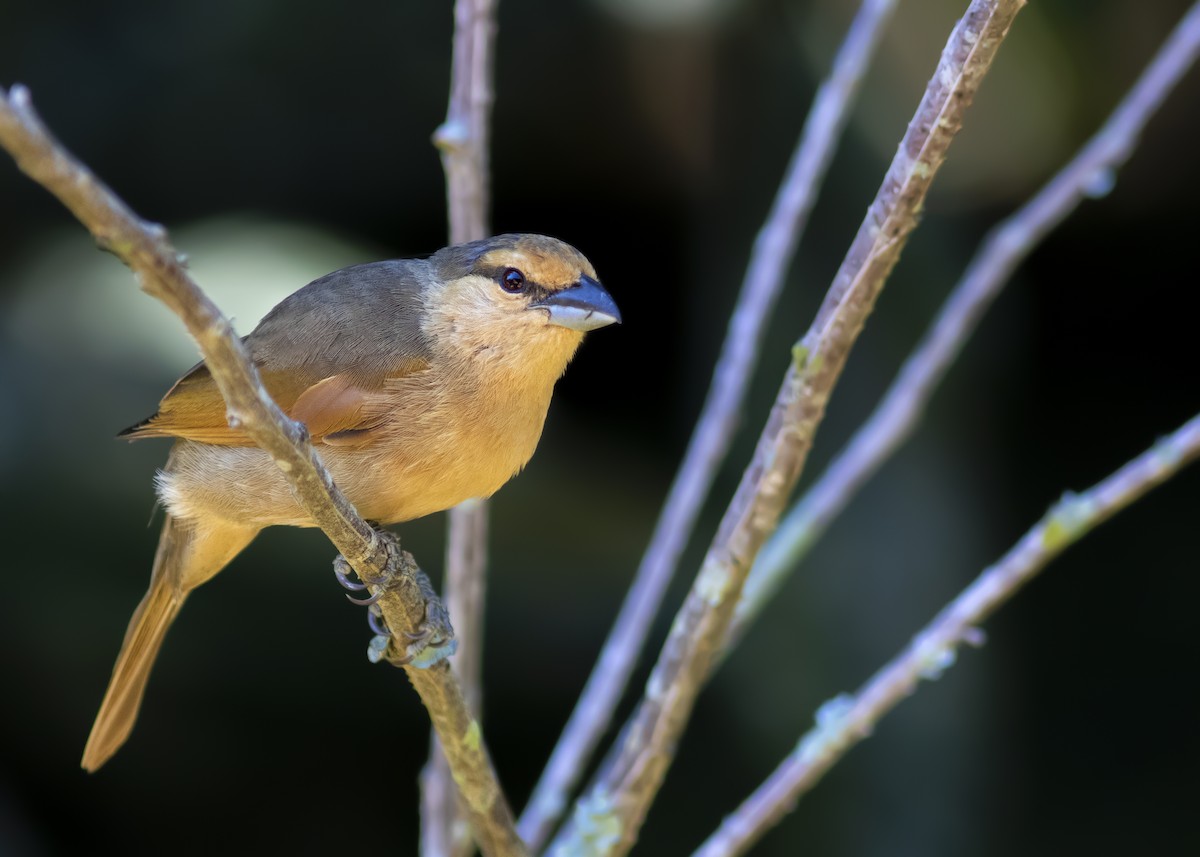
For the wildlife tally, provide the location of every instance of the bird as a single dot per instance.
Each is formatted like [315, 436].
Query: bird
[422, 383]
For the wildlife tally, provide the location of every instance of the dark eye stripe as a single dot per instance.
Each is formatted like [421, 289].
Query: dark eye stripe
[534, 290]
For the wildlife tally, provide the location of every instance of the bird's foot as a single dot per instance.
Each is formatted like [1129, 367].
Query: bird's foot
[433, 639]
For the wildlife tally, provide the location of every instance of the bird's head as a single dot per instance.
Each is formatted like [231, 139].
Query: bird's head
[511, 295]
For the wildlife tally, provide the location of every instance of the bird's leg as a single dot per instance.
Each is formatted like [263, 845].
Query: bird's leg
[433, 640]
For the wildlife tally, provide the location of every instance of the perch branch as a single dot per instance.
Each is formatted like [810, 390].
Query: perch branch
[1006, 247]
[769, 261]
[144, 247]
[463, 141]
[844, 721]
[607, 819]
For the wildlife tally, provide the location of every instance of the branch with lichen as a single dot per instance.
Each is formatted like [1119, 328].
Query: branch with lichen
[463, 141]
[1006, 247]
[769, 261]
[845, 720]
[144, 247]
[608, 818]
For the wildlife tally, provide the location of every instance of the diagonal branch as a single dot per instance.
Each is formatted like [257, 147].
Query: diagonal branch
[769, 261]
[896, 417]
[463, 140]
[144, 248]
[609, 816]
[846, 720]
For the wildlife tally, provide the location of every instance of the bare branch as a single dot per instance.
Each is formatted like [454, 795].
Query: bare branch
[145, 249]
[444, 831]
[896, 417]
[846, 720]
[769, 261]
[463, 140]
[608, 818]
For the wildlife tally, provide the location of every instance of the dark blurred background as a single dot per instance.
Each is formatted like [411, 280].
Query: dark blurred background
[280, 140]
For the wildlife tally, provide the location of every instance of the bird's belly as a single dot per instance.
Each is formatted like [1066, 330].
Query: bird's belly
[389, 484]
[393, 490]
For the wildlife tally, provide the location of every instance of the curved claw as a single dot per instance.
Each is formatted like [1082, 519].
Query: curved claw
[346, 582]
[377, 624]
[365, 602]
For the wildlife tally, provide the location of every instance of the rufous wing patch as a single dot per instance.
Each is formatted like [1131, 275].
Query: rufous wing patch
[336, 410]
[334, 404]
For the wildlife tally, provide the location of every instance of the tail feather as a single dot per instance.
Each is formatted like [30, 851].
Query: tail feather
[119, 709]
[186, 557]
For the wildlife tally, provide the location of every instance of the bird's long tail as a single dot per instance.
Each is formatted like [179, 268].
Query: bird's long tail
[185, 558]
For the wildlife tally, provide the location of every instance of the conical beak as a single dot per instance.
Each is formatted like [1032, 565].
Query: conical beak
[583, 306]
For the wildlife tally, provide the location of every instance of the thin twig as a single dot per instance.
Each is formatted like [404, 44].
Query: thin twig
[846, 720]
[464, 142]
[769, 261]
[144, 247]
[896, 417]
[464, 138]
[607, 819]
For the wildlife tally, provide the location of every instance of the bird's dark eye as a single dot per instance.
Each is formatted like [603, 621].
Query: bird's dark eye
[512, 280]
